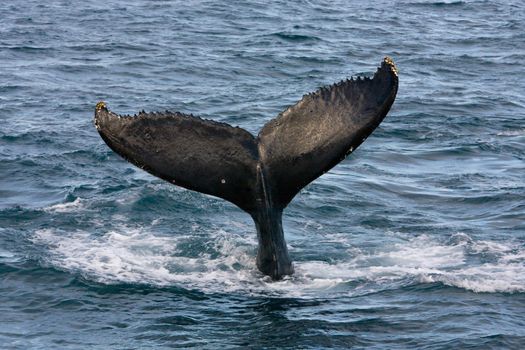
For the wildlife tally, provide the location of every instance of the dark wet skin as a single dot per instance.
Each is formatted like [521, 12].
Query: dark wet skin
[262, 174]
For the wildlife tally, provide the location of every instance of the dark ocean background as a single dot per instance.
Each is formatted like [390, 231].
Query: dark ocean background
[416, 241]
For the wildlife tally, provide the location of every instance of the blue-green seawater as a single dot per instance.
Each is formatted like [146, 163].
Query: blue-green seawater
[416, 241]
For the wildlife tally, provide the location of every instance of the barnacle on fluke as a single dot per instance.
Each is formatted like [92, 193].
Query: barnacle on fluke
[262, 174]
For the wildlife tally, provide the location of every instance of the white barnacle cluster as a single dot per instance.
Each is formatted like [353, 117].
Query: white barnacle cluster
[392, 65]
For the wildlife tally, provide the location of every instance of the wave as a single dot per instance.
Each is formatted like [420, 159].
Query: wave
[517, 132]
[295, 37]
[67, 207]
[221, 262]
[8, 257]
[437, 3]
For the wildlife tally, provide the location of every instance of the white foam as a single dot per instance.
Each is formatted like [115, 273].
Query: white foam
[517, 132]
[66, 207]
[132, 255]
[135, 256]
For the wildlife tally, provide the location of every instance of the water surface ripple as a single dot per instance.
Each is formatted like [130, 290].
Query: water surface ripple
[415, 241]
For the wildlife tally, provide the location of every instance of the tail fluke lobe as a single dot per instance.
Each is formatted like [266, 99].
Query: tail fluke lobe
[311, 137]
[200, 155]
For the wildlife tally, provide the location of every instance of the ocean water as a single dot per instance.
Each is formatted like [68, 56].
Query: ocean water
[416, 241]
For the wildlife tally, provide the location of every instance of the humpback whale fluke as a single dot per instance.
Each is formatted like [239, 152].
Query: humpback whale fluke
[262, 174]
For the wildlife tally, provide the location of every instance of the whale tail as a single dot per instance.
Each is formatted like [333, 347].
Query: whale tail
[262, 174]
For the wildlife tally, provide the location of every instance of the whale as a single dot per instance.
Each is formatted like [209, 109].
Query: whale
[259, 174]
